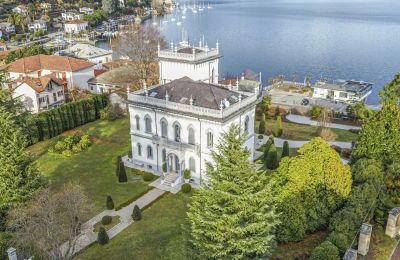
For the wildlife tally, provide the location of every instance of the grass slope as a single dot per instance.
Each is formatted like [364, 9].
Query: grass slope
[159, 235]
[93, 168]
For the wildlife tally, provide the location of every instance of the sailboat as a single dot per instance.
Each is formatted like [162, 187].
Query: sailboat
[194, 9]
[209, 6]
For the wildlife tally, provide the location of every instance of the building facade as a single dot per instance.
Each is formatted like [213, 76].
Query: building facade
[198, 63]
[181, 122]
[38, 25]
[39, 94]
[349, 91]
[75, 26]
[69, 16]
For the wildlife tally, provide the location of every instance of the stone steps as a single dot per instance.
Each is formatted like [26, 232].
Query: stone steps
[170, 178]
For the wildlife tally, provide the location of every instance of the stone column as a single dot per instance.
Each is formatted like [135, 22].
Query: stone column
[364, 239]
[392, 228]
[12, 253]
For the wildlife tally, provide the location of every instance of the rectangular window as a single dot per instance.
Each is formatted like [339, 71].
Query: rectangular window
[55, 97]
[342, 94]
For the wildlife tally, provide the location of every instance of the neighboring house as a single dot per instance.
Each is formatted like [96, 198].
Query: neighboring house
[349, 91]
[88, 52]
[39, 94]
[198, 63]
[7, 28]
[74, 71]
[181, 122]
[242, 84]
[38, 25]
[75, 26]
[115, 79]
[86, 10]
[70, 16]
[21, 9]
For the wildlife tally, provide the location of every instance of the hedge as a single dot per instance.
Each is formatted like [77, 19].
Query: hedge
[48, 124]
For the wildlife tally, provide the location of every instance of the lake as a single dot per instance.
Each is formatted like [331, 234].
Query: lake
[351, 39]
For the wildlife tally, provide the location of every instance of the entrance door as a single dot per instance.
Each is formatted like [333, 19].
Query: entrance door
[173, 163]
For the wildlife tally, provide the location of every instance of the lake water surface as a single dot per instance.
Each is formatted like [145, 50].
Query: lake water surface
[350, 39]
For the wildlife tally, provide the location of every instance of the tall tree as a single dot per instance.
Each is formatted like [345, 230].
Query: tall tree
[313, 184]
[271, 161]
[285, 149]
[233, 217]
[390, 93]
[109, 6]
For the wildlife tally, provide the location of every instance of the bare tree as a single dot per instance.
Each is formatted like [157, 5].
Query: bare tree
[324, 123]
[250, 75]
[50, 224]
[140, 44]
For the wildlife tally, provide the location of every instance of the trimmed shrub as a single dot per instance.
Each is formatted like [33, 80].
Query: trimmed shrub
[164, 167]
[102, 236]
[271, 161]
[285, 149]
[186, 174]
[147, 176]
[122, 172]
[267, 146]
[136, 213]
[109, 203]
[278, 127]
[186, 188]
[260, 136]
[325, 251]
[261, 128]
[106, 220]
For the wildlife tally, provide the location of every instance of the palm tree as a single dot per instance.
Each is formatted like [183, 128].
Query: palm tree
[294, 79]
[308, 80]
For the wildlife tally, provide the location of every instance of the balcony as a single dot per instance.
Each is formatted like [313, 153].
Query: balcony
[175, 145]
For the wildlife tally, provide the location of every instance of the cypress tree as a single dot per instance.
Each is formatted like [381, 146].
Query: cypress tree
[278, 127]
[271, 161]
[267, 146]
[117, 164]
[122, 173]
[261, 128]
[238, 202]
[102, 236]
[109, 203]
[136, 213]
[285, 149]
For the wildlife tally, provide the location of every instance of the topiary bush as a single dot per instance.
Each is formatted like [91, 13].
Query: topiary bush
[186, 188]
[102, 236]
[106, 220]
[261, 128]
[147, 176]
[122, 172]
[164, 167]
[278, 127]
[136, 213]
[109, 203]
[285, 149]
[186, 174]
[271, 161]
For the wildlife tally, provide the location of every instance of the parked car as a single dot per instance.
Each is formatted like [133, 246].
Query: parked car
[305, 102]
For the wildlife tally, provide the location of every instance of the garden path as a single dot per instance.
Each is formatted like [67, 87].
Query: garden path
[304, 120]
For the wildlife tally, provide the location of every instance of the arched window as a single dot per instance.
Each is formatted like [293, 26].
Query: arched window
[164, 128]
[137, 118]
[139, 149]
[192, 164]
[210, 140]
[177, 132]
[149, 152]
[164, 156]
[246, 124]
[147, 121]
[191, 139]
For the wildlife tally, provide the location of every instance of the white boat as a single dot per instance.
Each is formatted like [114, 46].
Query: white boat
[165, 21]
[183, 17]
[209, 6]
[173, 19]
[179, 23]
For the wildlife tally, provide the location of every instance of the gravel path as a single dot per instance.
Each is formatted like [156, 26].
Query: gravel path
[307, 121]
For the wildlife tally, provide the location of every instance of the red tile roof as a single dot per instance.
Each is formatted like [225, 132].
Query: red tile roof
[76, 22]
[48, 62]
[38, 84]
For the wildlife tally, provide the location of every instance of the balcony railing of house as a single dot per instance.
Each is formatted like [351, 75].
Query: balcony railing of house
[174, 144]
[214, 113]
[172, 54]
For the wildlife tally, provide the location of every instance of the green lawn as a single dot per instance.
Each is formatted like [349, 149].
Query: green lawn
[159, 235]
[381, 246]
[93, 168]
[300, 132]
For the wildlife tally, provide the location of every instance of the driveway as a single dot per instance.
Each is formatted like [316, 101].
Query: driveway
[307, 121]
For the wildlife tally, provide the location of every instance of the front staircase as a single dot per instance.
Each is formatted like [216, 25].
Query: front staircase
[170, 179]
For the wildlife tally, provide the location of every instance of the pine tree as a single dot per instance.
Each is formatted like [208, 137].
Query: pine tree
[102, 236]
[122, 172]
[278, 127]
[19, 177]
[261, 128]
[271, 161]
[285, 149]
[136, 213]
[233, 217]
[109, 203]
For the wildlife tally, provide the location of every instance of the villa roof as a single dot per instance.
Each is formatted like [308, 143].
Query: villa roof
[346, 86]
[118, 76]
[87, 51]
[77, 21]
[38, 84]
[203, 94]
[49, 62]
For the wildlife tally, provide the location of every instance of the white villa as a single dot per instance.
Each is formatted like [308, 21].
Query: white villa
[180, 123]
[37, 25]
[346, 91]
[75, 26]
[88, 52]
[39, 94]
[198, 63]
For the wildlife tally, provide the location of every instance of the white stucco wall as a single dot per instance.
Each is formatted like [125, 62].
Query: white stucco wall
[28, 97]
[171, 70]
